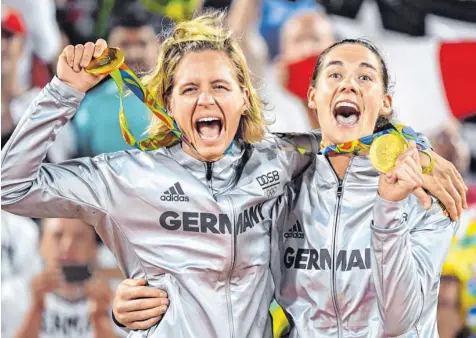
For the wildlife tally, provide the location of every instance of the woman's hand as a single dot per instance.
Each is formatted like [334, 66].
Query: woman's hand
[446, 184]
[137, 306]
[404, 179]
[74, 59]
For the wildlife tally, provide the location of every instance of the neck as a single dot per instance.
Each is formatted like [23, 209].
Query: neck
[340, 163]
[197, 155]
[71, 292]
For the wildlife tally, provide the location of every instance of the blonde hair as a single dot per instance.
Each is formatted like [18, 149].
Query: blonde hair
[206, 32]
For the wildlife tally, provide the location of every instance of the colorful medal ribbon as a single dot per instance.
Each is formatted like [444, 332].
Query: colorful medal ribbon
[364, 143]
[387, 144]
[111, 62]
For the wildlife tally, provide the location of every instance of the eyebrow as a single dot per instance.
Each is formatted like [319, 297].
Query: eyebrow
[340, 63]
[220, 81]
[213, 82]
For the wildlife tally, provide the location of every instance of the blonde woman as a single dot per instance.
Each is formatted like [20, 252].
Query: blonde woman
[193, 223]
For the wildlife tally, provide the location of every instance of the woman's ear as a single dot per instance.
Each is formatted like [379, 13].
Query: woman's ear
[387, 105]
[246, 101]
[168, 106]
[311, 98]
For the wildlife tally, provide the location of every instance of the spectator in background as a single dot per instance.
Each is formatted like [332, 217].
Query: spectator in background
[450, 320]
[449, 143]
[43, 40]
[19, 242]
[16, 98]
[274, 13]
[284, 83]
[13, 41]
[457, 299]
[302, 39]
[51, 307]
[20, 261]
[97, 119]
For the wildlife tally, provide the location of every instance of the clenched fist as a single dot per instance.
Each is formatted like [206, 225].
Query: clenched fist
[74, 59]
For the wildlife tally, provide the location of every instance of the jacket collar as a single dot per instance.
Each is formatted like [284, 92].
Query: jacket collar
[224, 170]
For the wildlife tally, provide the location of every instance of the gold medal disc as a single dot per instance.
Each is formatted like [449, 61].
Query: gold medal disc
[385, 150]
[111, 59]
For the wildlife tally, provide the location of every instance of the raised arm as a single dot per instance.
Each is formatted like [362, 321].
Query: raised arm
[243, 22]
[73, 189]
[409, 245]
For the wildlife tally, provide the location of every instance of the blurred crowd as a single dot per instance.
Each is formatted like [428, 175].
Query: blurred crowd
[432, 57]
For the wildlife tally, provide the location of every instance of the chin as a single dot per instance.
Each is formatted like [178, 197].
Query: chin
[211, 153]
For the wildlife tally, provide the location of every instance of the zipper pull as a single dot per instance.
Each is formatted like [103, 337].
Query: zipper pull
[209, 171]
[339, 189]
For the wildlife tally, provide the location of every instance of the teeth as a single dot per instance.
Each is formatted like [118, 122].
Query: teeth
[347, 104]
[208, 119]
[209, 137]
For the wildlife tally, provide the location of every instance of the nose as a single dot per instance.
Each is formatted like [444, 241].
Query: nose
[134, 52]
[67, 246]
[205, 99]
[348, 85]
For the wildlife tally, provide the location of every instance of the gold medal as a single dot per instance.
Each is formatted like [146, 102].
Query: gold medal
[385, 150]
[111, 59]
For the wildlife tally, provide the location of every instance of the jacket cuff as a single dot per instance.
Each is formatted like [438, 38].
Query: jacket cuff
[114, 319]
[388, 214]
[64, 92]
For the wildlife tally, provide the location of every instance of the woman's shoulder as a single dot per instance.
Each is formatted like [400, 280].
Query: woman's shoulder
[133, 157]
[304, 143]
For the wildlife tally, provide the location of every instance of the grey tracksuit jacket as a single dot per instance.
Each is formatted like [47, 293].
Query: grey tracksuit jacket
[199, 230]
[348, 263]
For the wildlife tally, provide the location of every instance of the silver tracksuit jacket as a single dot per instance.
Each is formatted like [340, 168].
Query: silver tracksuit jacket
[199, 230]
[349, 264]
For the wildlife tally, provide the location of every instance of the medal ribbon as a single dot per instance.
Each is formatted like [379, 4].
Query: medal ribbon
[172, 136]
[364, 143]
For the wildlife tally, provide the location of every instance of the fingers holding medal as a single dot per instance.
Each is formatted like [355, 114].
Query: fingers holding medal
[73, 62]
[404, 176]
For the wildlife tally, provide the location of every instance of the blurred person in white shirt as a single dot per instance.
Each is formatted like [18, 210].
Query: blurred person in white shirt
[43, 38]
[284, 82]
[55, 303]
[17, 97]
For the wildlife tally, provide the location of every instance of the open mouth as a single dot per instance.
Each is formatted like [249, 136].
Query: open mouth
[346, 113]
[209, 128]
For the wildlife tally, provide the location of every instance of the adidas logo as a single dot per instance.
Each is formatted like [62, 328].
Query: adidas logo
[295, 232]
[174, 194]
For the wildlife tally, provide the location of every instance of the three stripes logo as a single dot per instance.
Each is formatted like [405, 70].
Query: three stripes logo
[295, 232]
[174, 194]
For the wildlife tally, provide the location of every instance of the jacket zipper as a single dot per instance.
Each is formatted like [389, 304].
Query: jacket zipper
[209, 175]
[232, 267]
[340, 188]
[334, 247]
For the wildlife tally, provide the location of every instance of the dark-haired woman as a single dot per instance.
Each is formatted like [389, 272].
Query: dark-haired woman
[367, 257]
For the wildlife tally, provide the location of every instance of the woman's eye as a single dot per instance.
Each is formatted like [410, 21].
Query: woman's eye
[365, 78]
[188, 90]
[220, 87]
[335, 76]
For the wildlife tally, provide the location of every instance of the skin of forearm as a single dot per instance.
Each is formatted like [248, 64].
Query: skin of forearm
[31, 325]
[102, 326]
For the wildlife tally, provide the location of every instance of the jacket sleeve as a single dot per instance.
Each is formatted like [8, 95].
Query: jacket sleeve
[295, 151]
[409, 245]
[73, 189]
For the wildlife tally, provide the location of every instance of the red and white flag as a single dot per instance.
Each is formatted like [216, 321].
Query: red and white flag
[434, 80]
